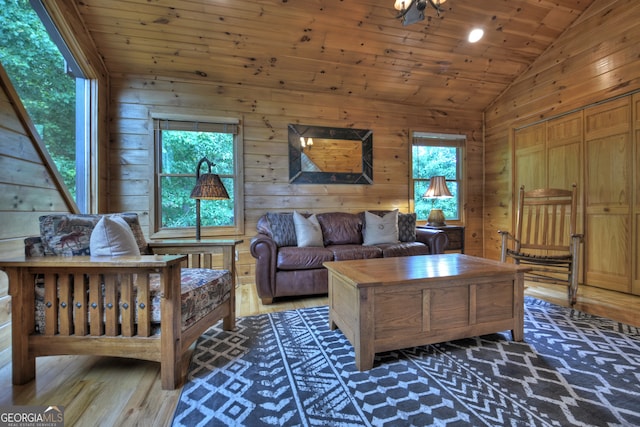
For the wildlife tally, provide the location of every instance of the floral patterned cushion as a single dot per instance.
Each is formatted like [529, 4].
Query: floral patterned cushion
[69, 234]
[202, 291]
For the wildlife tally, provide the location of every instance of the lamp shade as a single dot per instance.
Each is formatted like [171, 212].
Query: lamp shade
[209, 187]
[437, 188]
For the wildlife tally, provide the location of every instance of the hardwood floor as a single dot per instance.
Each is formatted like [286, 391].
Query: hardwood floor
[101, 391]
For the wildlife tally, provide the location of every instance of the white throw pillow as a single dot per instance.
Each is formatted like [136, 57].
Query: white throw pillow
[112, 236]
[308, 231]
[378, 230]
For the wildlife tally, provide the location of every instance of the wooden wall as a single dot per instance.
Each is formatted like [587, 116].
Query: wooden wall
[594, 60]
[29, 186]
[264, 114]
[27, 189]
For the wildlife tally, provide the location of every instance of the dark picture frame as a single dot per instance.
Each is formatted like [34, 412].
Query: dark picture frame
[297, 175]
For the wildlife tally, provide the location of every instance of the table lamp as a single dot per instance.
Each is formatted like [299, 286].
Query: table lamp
[437, 190]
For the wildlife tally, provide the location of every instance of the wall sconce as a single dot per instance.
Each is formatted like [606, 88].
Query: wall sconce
[208, 187]
[437, 190]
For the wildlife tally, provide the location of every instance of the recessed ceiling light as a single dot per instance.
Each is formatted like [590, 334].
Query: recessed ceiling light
[475, 35]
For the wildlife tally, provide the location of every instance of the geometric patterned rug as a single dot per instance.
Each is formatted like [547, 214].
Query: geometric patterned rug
[288, 369]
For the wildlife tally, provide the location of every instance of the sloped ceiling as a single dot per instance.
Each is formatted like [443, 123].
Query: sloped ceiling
[348, 47]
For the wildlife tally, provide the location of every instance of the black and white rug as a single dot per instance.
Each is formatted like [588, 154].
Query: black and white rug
[288, 369]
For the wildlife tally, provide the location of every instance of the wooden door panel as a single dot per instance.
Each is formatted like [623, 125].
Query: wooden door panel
[608, 251]
[608, 119]
[564, 166]
[530, 170]
[635, 284]
[530, 157]
[609, 171]
[564, 143]
[608, 195]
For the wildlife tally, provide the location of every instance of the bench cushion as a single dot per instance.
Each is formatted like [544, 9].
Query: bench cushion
[202, 291]
[69, 234]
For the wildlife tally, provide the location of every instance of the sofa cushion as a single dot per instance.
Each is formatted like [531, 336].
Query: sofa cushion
[379, 230]
[70, 234]
[406, 224]
[112, 236]
[295, 258]
[308, 231]
[283, 230]
[404, 249]
[407, 227]
[349, 252]
[340, 228]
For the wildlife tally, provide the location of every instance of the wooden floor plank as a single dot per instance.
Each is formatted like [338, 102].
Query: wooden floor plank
[121, 392]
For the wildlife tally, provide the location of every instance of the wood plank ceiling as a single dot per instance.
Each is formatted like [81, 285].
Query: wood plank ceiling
[349, 47]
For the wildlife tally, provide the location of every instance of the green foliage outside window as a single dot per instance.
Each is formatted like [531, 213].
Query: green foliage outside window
[431, 161]
[37, 70]
[181, 151]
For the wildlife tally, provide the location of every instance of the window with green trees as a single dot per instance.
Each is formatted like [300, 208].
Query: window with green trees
[180, 146]
[437, 155]
[51, 87]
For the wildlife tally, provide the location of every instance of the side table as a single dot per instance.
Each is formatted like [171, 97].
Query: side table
[201, 252]
[455, 233]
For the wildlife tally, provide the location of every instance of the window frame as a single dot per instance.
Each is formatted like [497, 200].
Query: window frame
[160, 123]
[430, 139]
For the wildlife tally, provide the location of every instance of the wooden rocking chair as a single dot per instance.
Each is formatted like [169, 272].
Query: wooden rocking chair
[545, 237]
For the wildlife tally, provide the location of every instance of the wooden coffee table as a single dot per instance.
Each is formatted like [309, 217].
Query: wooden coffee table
[393, 303]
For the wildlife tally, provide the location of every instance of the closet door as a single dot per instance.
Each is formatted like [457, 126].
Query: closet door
[608, 196]
[564, 164]
[530, 162]
[564, 152]
[635, 284]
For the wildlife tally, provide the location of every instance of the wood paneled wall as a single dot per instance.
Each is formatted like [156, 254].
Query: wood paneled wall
[578, 70]
[264, 114]
[29, 187]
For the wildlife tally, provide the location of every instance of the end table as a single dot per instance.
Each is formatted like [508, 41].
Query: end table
[455, 233]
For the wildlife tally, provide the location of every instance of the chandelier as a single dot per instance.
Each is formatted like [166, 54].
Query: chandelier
[412, 11]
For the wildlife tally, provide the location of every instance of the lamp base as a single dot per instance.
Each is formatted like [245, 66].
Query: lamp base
[436, 218]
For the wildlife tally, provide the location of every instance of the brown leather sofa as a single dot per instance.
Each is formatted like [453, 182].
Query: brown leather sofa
[284, 269]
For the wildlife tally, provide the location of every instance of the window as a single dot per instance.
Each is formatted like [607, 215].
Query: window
[433, 155]
[52, 88]
[179, 147]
